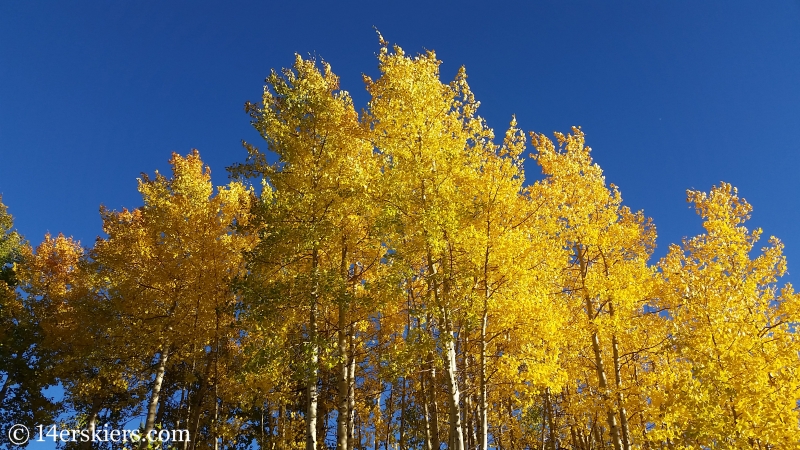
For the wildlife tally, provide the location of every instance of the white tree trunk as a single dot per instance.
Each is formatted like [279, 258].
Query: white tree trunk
[153, 404]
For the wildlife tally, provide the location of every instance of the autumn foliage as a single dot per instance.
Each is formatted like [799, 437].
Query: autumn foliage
[390, 279]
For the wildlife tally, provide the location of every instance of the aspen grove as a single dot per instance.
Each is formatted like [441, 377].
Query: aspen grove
[389, 279]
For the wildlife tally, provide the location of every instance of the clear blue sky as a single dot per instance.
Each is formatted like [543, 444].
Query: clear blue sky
[671, 94]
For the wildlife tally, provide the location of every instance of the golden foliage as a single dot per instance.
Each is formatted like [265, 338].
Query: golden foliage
[398, 270]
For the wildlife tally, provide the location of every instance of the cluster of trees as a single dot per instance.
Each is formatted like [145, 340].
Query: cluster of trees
[396, 283]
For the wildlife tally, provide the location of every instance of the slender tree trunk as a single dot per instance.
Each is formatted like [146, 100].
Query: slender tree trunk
[611, 416]
[484, 401]
[343, 400]
[322, 424]
[184, 402]
[574, 436]
[194, 421]
[312, 396]
[389, 415]
[510, 414]
[454, 400]
[186, 399]
[214, 429]
[645, 441]
[189, 412]
[498, 437]
[435, 435]
[469, 415]
[426, 412]
[343, 385]
[197, 406]
[281, 426]
[359, 437]
[483, 407]
[92, 422]
[548, 402]
[471, 419]
[165, 393]
[217, 400]
[456, 438]
[216, 416]
[431, 388]
[598, 436]
[623, 415]
[403, 415]
[541, 435]
[351, 391]
[153, 404]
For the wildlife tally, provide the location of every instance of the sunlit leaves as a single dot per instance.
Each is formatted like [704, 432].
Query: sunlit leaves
[732, 365]
[398, 282]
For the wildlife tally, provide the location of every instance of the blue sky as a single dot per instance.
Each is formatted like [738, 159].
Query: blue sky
[671, 94]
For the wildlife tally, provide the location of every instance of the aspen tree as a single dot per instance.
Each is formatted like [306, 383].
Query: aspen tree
[168, 268]
[609, 281]
[400, 284]
[516, 264]
[730, 377]
[421, 129]
[316, 237]
[58, 282]
[26, 366]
